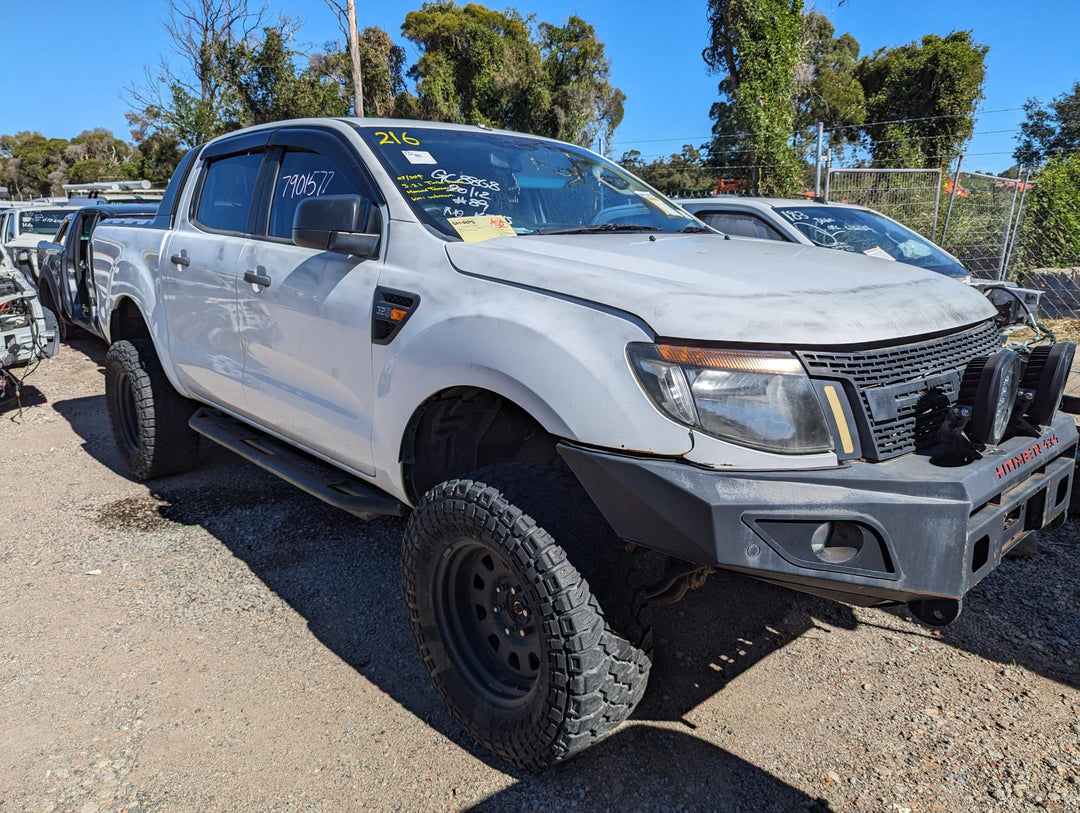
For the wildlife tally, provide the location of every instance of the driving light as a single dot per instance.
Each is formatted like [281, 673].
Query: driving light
[756, 399]
[990, 386]
[1046, 374]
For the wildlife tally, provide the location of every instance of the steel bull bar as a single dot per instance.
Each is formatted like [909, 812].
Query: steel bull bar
[903, 530]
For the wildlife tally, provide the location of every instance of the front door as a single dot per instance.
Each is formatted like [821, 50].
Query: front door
[305, 315]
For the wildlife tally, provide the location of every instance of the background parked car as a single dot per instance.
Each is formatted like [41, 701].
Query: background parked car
[829, 225]
[22, 227]
[66, 262]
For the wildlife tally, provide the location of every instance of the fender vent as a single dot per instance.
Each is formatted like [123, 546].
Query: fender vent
[390, 312]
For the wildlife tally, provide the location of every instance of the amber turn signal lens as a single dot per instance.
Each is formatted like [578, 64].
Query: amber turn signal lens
[740, 360]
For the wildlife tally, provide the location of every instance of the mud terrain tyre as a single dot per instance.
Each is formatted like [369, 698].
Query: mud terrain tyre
[523, 653]
[149, 418]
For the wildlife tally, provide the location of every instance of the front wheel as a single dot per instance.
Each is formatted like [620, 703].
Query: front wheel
[513, 639]
[149, 418]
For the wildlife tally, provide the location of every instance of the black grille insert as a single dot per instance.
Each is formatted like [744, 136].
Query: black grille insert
[905, 390]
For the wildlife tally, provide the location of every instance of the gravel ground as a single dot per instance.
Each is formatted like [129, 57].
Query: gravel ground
[220, 641]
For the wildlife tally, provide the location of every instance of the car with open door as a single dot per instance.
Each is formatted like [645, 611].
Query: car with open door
[66, 263]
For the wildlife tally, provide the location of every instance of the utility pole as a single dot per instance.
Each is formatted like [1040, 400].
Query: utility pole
[817, 163]
[354, 56]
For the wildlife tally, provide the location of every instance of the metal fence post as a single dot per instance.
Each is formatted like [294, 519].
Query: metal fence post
[952, 197]
[1011, 245]
[1008, 229]
[828, 174]
[937, 207]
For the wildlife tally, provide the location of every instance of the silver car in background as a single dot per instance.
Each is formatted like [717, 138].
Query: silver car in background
[840, 226]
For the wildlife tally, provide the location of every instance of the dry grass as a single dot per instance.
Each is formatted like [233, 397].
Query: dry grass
[1065, 330]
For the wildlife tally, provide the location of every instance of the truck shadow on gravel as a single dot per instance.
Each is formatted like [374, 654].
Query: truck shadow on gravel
[342, 575]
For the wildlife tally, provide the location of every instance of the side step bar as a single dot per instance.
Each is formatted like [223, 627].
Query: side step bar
[303, 471]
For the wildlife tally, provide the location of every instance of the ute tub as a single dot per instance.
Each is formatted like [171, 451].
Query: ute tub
[865, 533]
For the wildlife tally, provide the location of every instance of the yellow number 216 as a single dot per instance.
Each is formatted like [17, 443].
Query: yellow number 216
[393, 138]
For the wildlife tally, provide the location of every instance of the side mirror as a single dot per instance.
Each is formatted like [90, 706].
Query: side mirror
[332, 223]
[22, 256]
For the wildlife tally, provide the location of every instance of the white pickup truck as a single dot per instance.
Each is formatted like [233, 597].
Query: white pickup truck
[548, 366]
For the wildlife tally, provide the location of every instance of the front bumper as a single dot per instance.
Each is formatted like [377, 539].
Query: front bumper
[921, 531]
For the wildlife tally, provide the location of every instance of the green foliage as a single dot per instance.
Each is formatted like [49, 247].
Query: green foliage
[680, 174]
[382, 65]
[756, 44]
[1049, 130]
[826, 88]
[268, 88]
[933, 87]
[479, 66]
[1050, 234]
[32, 165]
[583, 102]
[154, 159]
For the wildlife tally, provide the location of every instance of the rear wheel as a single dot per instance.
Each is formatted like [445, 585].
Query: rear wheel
[520, 649]
[63, 327]
[149, 418]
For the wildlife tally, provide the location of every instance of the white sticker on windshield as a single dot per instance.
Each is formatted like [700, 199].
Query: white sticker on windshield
[878, 251]
[418, 157]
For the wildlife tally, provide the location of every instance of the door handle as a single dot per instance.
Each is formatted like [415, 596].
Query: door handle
[180, 259]
[256, 278]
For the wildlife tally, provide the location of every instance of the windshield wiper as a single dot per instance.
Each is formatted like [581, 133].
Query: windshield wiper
[598, 229]
[695, 229]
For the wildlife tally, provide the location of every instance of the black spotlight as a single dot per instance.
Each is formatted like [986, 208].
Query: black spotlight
[1044, 378]
[990, 386]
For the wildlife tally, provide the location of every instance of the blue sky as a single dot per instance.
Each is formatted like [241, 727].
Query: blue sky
[68, 61]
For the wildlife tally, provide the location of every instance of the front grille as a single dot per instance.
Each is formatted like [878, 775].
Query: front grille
[912, 415]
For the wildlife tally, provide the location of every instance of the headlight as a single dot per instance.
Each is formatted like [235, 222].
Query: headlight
[761, 400]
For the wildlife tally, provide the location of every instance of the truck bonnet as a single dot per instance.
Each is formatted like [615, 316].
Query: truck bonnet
[706, 288]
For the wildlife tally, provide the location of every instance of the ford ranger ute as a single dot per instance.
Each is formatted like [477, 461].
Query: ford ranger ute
[552, 370]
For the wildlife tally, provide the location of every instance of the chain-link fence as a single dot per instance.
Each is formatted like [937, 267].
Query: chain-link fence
[979, 218]
[1045, 252]
[999, 228]
[995, 226]
[910, 196]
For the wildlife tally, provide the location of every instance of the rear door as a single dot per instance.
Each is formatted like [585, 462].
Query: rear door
[51, 259]
[199, 268]
[76, 281]
[306, 323]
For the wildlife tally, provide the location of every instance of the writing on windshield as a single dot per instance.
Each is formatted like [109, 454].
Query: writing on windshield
[867, 232]
[41, 221]
[531, 185]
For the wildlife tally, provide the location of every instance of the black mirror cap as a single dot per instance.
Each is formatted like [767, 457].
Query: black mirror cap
[317, 218]
[334, 223]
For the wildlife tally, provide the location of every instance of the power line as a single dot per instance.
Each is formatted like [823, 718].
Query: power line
[732, 136]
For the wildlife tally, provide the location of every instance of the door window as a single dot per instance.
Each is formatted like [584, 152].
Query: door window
[227, 191]
[738, 224]
[62, 231]
[302, 175]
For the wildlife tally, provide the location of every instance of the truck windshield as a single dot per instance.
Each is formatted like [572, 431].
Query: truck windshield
[41, 221]
[453, 178]
[866, 232]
